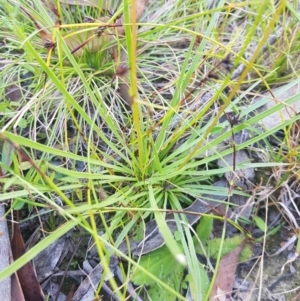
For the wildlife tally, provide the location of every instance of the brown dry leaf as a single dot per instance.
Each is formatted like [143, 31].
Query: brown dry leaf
[122, 73]
[124, 92]
[222, 295]
[29, 283]
[16, 289]
[71, 293]
[45, 36]
[222, 288]
[140, 7]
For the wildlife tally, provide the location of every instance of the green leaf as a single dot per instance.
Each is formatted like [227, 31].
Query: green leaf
[22, 123]
[205, 282]
[260, 223]
[138, 234]
[298, 244]
[160, 263]
[157, 292]
[8, 183]
[3, 107]
[6, 157]
[204, 228]
[165, 230]
[18, 204]
[178, 235]
[216, 130]
[212, 247]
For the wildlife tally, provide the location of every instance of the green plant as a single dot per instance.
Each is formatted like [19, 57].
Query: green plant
[146, 157]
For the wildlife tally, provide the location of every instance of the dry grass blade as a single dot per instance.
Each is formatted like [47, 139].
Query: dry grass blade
[45, 36]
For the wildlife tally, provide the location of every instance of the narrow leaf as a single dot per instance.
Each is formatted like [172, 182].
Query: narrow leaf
[260, 224]
[6, 157]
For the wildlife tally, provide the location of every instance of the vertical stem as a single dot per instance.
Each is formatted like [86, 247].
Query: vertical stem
[131, 33]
